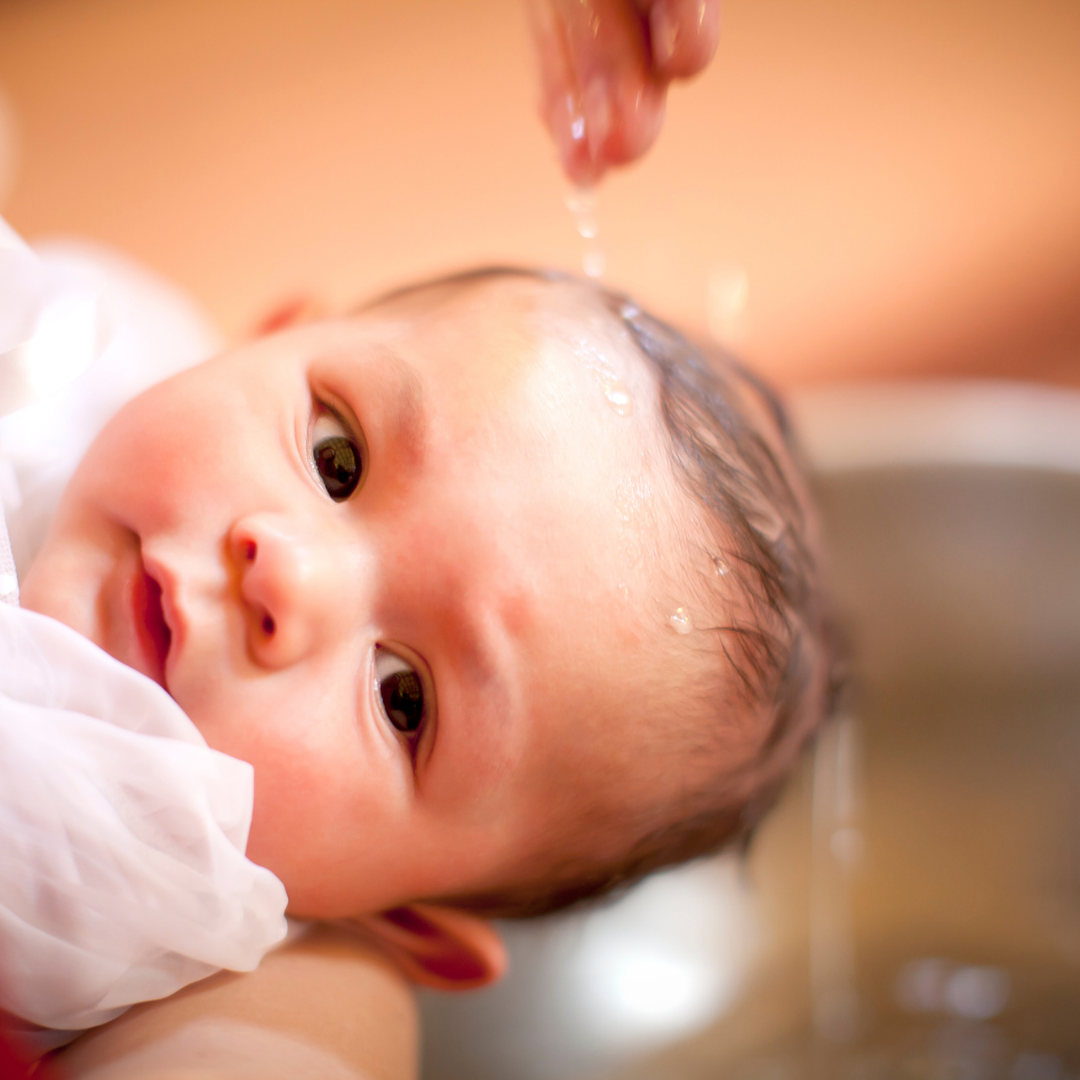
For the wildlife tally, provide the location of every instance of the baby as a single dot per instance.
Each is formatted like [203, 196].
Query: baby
[509, 596]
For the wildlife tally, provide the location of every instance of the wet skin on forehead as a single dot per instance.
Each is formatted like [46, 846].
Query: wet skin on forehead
[489, 545]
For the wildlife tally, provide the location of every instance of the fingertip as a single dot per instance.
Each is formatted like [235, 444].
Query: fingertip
[683, 35]
[601, 99]
[637, 117]
[579, 149]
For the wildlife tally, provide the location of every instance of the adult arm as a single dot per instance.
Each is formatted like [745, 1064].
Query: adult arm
[326, 1006]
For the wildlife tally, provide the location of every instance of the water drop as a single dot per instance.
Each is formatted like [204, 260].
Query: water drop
[619, 398]
[599, 366]
[680, 621]
[581, 202]
[587, 227]
[722, 567]
[572, 104]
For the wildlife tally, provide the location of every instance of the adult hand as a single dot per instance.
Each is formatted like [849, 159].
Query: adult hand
[605, 66]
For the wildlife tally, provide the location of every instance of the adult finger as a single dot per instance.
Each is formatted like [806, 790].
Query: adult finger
[683, 35]
[599, 97]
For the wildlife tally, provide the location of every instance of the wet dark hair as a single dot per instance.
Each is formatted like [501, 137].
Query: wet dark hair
[786, 655]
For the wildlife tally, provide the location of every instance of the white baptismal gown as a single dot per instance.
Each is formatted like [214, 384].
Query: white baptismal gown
[122, 835]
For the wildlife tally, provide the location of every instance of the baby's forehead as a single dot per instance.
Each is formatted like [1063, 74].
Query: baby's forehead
[586, 389]
[628, 525]
[493, 328]
[486, 302]
[495, 288]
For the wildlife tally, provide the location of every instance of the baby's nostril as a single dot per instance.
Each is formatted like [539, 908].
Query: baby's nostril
[249, 550]
[268, 625]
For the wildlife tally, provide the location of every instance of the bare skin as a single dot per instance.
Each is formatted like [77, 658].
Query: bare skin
[502, 544]
[523, 506]
[331, 1004]
[327, 1006]
[605, 68]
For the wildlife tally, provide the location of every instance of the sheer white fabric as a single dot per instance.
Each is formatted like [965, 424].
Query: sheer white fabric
[82, 331]
[122, 835]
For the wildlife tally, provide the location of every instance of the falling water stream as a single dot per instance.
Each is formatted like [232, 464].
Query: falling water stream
[581, 202]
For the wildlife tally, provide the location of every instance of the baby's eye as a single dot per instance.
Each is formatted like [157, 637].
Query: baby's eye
[401, 691]
[336, 456]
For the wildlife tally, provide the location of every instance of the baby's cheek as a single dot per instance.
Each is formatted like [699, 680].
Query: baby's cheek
[312, 776]
[294, 793]
[141, 467]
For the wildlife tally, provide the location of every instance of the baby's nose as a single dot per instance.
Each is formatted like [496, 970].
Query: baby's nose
[291, 587]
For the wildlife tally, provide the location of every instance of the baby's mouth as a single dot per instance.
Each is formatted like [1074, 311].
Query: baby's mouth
[155, 637]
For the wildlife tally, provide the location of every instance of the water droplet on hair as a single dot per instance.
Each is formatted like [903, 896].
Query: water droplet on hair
[680, 621]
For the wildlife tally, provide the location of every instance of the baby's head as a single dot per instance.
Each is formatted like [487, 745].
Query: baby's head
[507, 594]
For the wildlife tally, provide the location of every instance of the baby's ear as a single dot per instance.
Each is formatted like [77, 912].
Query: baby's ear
[439, 947]
[290, 312]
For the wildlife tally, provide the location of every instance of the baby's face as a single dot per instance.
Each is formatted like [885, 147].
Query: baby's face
[404, 563]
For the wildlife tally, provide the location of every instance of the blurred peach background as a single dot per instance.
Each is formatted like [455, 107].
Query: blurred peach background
[899, 181]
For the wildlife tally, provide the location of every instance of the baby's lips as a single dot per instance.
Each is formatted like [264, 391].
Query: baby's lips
[151, 632]
[166, 584]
